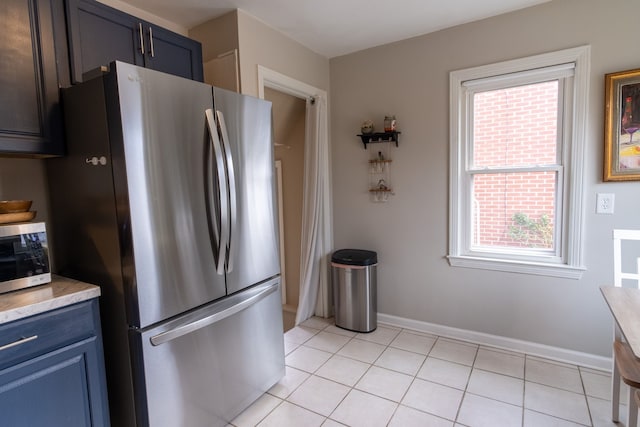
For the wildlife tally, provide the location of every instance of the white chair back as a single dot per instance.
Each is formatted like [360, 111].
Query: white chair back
[619, 236]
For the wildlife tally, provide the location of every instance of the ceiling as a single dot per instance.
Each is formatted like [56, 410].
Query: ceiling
[338, 27]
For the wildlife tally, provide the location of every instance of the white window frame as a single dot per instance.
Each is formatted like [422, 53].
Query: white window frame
[567, 260]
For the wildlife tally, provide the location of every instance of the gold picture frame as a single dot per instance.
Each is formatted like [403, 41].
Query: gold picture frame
[622, 126]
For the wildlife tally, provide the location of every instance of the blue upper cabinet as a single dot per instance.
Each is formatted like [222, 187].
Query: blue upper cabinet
[172, 53]
[99, 34]
[30, 122]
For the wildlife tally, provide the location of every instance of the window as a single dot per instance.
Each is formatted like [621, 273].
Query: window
[517, 131]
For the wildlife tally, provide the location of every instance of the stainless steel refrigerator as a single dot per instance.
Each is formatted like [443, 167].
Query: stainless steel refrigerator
[165, 199]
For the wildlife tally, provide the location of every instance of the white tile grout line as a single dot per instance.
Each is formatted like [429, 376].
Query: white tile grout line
[427, 355]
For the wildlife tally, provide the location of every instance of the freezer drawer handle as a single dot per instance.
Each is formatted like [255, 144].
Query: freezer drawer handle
[215, 317]
[19, 342]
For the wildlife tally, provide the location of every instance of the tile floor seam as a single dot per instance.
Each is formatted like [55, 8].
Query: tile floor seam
[413, 380]
[554, 387]
[593, 393]
[266, 415]
[334, 352]
[365, 392]
[524, 388]
[497, 373]
[493, 398]
[563, 419]
[271, 411]
[584, 392]
[375, 395]
[556, 416]
[404, 349]
[450, 361]
[466, 389]
[464, 393]
[351, 388]
[407, 391]
[299, 406]
[338, 405]
[425, 412]
[353, 358]
[393, 415]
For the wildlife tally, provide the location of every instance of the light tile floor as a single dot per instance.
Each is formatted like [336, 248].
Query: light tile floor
[398, 377]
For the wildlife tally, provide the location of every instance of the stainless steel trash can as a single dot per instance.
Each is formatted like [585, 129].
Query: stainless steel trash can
[354, 278]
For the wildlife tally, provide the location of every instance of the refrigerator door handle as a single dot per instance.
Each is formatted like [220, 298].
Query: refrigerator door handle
[233, 206]
[222, 182]
[227, 308]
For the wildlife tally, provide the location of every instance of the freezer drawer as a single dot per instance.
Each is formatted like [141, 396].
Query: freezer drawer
[204, 368]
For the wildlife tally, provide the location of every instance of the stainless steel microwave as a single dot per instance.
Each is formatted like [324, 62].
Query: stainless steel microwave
[24, 256]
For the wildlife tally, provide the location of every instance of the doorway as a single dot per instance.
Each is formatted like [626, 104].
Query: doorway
[316, 231]
[289, 139]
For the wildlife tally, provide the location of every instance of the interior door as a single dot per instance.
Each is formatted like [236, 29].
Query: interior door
[167, 161]
[245, 124]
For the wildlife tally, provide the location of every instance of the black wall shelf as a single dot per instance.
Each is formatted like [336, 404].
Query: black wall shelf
[368, 138]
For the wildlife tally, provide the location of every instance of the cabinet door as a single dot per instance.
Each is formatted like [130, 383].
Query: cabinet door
[174, 54]
[99, 34]
[30, 122]
[60, 388]
[52, 369]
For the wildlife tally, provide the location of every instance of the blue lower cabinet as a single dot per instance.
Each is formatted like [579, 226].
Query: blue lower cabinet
[53, 385]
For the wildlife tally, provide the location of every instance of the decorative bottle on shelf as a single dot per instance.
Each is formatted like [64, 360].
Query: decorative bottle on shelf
[389, 123]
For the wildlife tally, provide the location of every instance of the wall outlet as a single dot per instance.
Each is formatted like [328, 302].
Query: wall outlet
[604, 203]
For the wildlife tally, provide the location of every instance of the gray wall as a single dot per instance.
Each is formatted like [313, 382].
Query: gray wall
[25, 179]
[218, 35]
[260, 44]
[410, 79]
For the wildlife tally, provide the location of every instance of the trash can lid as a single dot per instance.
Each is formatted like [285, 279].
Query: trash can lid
[355, 257]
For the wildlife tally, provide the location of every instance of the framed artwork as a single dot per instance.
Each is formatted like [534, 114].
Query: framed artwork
[622, 126]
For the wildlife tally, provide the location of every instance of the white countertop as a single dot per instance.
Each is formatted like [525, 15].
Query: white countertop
[38, 299]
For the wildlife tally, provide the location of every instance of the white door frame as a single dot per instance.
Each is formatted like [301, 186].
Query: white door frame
[283, 276]
[282, 83]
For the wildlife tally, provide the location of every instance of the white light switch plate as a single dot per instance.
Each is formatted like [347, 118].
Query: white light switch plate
[604, 203]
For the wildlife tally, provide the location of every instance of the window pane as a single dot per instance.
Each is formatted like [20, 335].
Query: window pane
[514, 210]
[516, 126]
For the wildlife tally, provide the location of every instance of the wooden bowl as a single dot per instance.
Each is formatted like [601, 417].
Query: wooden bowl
[14, 206]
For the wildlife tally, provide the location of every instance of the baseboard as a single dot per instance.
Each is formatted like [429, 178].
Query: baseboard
[531, 348]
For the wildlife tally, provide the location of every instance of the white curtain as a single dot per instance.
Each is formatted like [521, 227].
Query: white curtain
[313, 262]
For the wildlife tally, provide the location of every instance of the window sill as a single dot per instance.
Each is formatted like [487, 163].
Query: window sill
[540, 269]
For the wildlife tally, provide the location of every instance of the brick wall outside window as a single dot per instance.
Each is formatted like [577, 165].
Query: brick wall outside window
[514, 127]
